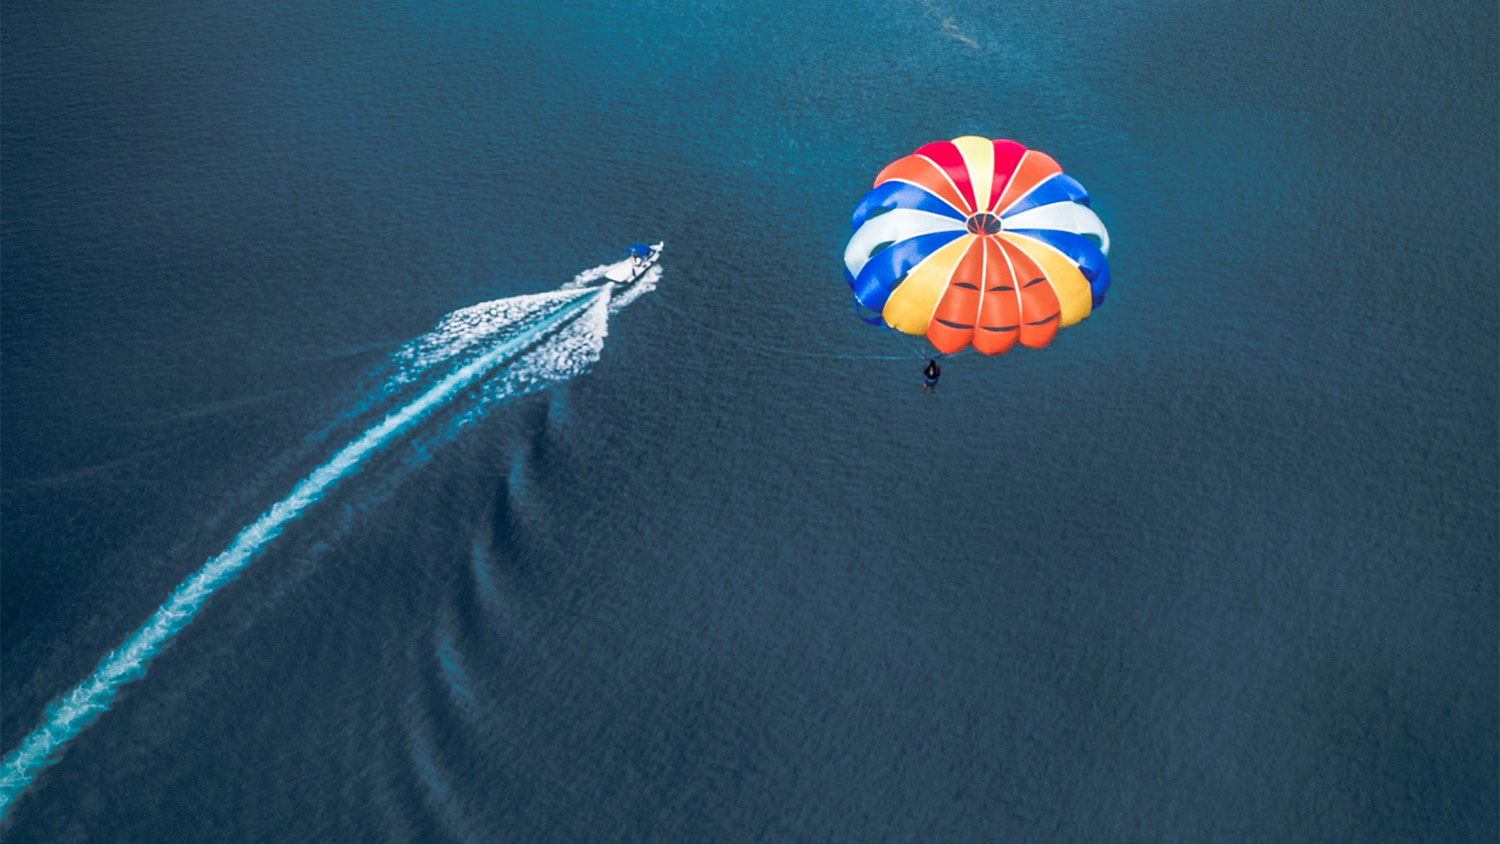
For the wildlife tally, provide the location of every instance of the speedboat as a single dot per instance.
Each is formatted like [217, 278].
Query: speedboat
[640, 259]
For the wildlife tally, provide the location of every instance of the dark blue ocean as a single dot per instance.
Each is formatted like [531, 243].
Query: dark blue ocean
[1218, 565]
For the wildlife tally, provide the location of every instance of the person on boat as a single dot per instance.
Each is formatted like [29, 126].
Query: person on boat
[640, 257]
[930, 375]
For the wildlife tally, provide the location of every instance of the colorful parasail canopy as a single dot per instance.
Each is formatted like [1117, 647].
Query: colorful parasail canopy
[981, 242]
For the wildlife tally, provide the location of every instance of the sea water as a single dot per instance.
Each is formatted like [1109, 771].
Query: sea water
[1217, 565]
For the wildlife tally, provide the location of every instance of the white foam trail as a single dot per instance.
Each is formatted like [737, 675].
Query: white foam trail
[566, 355]
[569, 353]
[588, 277]
[71, 713]
[465, 330]
[645, 284]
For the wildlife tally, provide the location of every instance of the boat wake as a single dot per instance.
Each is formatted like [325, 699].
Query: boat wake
[488, 352]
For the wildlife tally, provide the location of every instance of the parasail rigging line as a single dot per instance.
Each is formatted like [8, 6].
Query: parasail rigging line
[777, 350]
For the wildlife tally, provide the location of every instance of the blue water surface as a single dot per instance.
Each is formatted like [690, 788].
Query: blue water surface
[1217, 565]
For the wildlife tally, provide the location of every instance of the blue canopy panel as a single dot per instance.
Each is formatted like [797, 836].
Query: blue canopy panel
[865, 315]
[893, 194]
[640, 250]
[888, 268]
[1058, 187]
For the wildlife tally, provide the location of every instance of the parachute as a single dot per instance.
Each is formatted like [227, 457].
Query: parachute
[977, 242]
